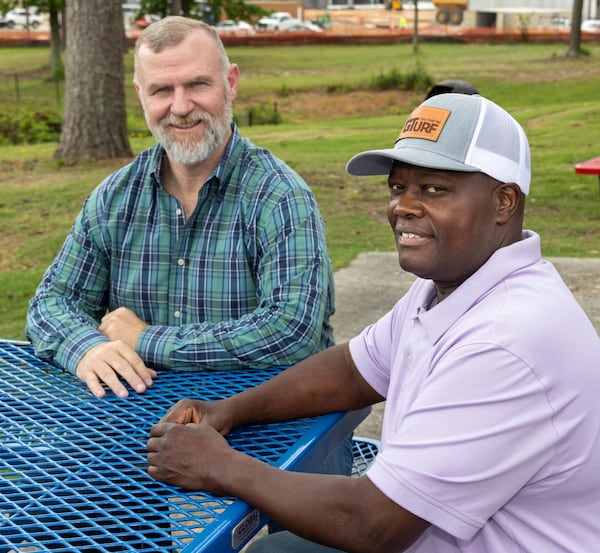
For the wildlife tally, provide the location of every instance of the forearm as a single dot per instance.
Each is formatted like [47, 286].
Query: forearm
[344, 512]
[350, 514]
[323, 383]
[271, 336]
[63, 316]
[60, 334]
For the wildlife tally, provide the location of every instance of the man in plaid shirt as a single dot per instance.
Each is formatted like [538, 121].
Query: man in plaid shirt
[205, 252]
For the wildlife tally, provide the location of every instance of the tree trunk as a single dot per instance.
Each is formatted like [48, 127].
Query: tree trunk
[176, 7]
[574, 48]
[94, 122]
[415, 40]
[56, 65]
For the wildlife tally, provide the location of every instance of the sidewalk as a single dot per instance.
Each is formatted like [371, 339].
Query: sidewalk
[373, 282]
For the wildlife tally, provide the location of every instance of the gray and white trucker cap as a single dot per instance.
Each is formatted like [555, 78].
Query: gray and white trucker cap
[456, 132]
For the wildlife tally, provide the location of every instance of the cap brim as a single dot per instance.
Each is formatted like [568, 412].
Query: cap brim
[379, 162]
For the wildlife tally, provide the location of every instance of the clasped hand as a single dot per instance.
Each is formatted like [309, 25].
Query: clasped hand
[187, 448]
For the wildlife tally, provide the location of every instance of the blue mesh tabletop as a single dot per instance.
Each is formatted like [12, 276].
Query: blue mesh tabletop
[73, 467]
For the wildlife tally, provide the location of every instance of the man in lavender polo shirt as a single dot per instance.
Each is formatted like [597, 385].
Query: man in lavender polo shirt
[490, 369]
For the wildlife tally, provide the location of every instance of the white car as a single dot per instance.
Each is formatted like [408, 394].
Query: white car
[559, 22]
[591, 25]
[297, 25]
[274, 21]
[18, 18]
[236, 26]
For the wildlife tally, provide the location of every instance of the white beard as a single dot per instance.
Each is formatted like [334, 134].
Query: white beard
[193, 150]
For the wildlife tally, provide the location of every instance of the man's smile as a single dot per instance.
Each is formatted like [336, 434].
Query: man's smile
[411, 237]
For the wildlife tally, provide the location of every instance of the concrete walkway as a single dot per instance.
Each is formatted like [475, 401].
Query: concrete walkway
[373, 282]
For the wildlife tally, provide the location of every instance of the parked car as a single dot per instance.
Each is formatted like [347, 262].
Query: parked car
[236, 26]
[591, 25]
[19, 17]
[274, 21]
[297, 25]
[559, 22]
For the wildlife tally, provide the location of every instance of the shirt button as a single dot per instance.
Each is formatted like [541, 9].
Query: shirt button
[177, 314]
[180, 262]
[178, 211]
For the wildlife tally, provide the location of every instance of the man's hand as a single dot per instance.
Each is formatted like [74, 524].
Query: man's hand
[107, 362]
[191, 456]
[211, 413]
[122, 324]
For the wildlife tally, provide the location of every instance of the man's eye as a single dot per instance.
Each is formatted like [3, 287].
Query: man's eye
[433, 188]
[395, 187]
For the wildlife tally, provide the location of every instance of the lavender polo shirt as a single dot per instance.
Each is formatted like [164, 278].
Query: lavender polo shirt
[491, 429]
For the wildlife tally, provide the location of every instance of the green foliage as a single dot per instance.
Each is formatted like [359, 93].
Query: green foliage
[285, 90]
[40, 196]
[237, 10]
[6, 5]
[416, 79]
[46, 6]
[210, 11]
[337, 88]
[266, 113]
[29, 127]
[524, 20]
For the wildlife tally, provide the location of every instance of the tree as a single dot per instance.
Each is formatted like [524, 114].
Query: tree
[210, 11]
[415, 40]
[6, 5]
[94, 124]
[54, 8]
[56, 64]
[574, 48]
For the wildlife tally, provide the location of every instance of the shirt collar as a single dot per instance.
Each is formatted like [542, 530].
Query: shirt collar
[497, 268]
[223, 170]
[156, 154]
[231, 156]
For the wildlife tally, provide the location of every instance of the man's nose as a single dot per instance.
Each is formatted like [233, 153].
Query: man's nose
[406, 205]
[182, 103]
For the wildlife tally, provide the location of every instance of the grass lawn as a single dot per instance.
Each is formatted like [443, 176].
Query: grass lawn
[329, 113]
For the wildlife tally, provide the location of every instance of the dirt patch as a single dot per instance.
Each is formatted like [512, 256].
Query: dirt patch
[304, 106]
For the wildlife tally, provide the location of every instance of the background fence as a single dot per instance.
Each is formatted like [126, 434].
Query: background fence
[27, 88]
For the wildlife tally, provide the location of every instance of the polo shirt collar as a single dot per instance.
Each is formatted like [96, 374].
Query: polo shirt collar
[497, 268]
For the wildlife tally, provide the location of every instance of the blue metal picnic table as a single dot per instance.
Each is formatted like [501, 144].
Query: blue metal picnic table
[73, 467]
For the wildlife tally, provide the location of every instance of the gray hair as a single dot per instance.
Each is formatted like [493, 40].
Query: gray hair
[171, 31]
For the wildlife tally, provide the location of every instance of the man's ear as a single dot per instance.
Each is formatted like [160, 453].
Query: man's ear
[510, 202]
[234, 78]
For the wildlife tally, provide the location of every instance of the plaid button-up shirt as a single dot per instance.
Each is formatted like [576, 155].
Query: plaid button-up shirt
[245, 282]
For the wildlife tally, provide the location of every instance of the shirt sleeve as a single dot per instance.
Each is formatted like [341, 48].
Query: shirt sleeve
[478, 430]
[294, 287]
[63, 316]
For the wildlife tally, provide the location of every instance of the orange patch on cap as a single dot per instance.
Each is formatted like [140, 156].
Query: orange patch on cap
[425, 122]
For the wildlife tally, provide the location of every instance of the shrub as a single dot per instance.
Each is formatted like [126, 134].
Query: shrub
[261, 114]
[29, 127]
[416, 79]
